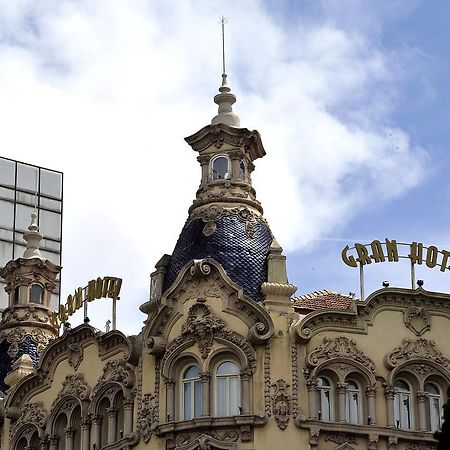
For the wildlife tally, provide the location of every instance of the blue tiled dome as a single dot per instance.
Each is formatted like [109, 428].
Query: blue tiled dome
[243, 257]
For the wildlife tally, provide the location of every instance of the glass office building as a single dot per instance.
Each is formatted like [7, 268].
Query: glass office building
[24, 187]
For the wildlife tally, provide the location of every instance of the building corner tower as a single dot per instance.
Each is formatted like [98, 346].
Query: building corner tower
[25, 328]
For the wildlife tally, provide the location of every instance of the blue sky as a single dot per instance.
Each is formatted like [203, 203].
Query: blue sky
[351, 99]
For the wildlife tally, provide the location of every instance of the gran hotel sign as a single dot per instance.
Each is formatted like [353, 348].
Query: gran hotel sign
[391, 250]
[374, 252]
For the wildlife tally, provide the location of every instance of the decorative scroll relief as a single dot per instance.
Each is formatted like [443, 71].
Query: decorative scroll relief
[202, 441]
[119, 371]
[213, 213]
[74, 386]
[339, 438]
[19, 336]
[417, 319]
[281, 404]
[339, 347]
[202, 327]
[32, 414]
[418, 349]
[421, 446]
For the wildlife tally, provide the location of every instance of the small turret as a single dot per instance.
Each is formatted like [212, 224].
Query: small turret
[25, 327]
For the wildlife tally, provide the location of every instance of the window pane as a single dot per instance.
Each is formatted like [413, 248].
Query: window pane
[234, 396]
[7, 172]
[222, 396]
[50, 224]
[191, 372]
[197, 399]
[187, 399]
[51, 183]
[326, 405]
[220, 168]
[227, 368]
[26, 177]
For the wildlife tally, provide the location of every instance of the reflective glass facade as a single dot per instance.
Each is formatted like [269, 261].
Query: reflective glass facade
[22, 188]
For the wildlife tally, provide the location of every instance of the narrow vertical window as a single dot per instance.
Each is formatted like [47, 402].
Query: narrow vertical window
[227, 389]
[402, 405]
[220, 168]
[192, 393]
[325, 401]
[36, 293]
[242, 170]
[353, 403]
[434, 407]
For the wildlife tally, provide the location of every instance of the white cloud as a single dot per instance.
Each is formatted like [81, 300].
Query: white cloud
[105, 91]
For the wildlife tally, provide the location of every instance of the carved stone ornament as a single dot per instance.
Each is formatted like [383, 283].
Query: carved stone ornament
[339, 347]
[421, 446]
[75, 355]
[341, 438]
[118, 371]
[418, 349]
[213, 213]
[281, 404]
[75, 386]
[32, 413]
[19, 335]
[202, 441]
[417, 319]
[202, 325]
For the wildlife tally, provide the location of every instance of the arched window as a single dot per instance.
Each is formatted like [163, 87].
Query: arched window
[34, 442]
[60, 431]
[227, 389]
[434, 407]
[353, 402]
[325, 405]
[402, 405]
[220, 168]
[21, 444]
[191, 393]
[16, 296]
[36, 293]
[242, 170]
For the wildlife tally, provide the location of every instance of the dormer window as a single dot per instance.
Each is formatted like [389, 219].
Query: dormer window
[220, 168]
[36, 293]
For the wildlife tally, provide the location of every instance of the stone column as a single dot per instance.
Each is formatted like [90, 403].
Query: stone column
[236, 157]
[205, 378]
[112, 424]
[341, 390]
[245, 383]
[370, 394]
[421, 402]
[70, 433]
[389, 394]
[128, 407]
[204, 162]
[54, 442]
[97, 428]
[170, 396]
[44, 443]
[311, 385]
[85, 434]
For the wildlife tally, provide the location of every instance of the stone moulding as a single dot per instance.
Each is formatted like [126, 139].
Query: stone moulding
[32, 414]
[278, 289]
[420, 349]
[339, 347]
[281, 404]
[363, 314]
[417, 319]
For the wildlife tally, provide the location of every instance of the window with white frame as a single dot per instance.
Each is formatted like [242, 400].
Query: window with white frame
[220, 168]
[434, 406]
[325, 400]
[227, 389]
[402, 405]
[191, 393]
[353, 402]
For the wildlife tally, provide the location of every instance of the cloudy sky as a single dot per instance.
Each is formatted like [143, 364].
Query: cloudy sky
[351, 99]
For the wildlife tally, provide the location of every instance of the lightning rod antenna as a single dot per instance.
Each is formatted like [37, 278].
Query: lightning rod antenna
[223, 21]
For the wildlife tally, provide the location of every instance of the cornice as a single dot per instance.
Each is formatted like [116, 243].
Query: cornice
[219, 133]
[362, 314]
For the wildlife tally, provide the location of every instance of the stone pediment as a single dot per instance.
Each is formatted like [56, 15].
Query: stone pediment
[205, 281]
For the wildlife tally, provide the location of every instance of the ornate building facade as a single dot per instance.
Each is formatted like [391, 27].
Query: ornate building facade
[227, 358]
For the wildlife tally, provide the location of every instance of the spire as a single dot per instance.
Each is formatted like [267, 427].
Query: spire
[225, 99]
[33, 237]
